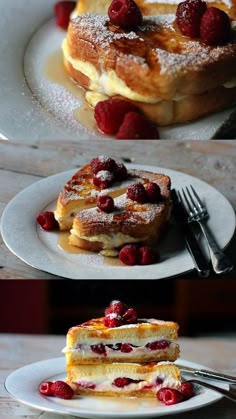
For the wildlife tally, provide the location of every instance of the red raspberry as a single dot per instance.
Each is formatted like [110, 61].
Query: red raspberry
[116, 307]
[113, 320]
[45, 388]
[47, 220]
[169, 396]
[62, 390]
[99, 349]
[129, 255]
[63, 10]
[159, 381]
[148, 255]
[120, 172]
[186, 389]
[158, 344]
[109, 114]
[121, 382]
[102, 163]
[126, 348]
[136, 126]
[103, 179]
[130, 316]
[105, 203]
[86, 384]
[125, 13]
[153, 192]
[188, 17]
[137, 192]
[215, 28]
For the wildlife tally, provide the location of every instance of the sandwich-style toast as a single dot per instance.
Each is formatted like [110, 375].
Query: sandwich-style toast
[123, 379]
[166, 74]
[146, 340]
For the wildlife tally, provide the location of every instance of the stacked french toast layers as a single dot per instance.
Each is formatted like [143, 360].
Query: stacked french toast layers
[122, 355]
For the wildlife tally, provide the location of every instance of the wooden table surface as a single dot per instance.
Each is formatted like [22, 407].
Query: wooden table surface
[19, 350]
[21, 164]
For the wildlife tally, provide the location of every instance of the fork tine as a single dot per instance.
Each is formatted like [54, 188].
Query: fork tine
[191, 198]
[199, 201]
[187, 202]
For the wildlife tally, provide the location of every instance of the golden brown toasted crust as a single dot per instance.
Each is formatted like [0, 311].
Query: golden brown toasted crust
[170, 73]
[129, 222]
[80, 193]
[144, 329]
[146, 7]
[144, 372]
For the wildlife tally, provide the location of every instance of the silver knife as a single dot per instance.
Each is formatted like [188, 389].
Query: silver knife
[210, 375]
[199, 259]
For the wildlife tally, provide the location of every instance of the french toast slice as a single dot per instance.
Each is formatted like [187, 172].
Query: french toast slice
[129, 222]
[80, 195]
[123, 379]
[167, 75]
[148, 7]
[148, 340]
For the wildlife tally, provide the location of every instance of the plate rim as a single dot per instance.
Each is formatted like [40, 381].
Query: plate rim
[87, 413]
[68, 174]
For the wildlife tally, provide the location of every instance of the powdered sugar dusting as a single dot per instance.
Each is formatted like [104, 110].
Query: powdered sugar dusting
[95, 27]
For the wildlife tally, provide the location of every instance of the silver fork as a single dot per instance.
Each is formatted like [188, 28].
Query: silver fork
[198, 212]
[229, 394]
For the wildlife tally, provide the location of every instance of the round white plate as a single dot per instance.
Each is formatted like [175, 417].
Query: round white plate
[33, 106]
[40, 249]
[23, 385]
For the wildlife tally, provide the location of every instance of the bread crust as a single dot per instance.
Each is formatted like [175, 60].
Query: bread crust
[172, 78]
[143, 372]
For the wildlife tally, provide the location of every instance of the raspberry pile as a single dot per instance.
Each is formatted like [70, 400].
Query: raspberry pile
[107, 171]
[195, 19]
[171, 396]
[62, 11]
[47, 221]
[56, 389]
[124, 120]
[118, 314]
[132, 254]
[151, 192]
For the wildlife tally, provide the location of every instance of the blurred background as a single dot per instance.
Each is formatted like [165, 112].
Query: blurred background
[201, 307]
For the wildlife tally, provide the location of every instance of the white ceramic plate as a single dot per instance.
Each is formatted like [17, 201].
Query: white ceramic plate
[33, 106]
[23, 385]
[40, 249]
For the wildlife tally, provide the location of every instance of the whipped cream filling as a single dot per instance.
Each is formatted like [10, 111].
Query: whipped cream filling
[146, 380]
[86, 351]
[109, 241]
[107, 83]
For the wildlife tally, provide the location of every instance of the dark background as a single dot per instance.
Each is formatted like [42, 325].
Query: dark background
[201, 306]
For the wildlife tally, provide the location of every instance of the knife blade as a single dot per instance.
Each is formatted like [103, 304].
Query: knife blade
[201, 264]
[211, 375]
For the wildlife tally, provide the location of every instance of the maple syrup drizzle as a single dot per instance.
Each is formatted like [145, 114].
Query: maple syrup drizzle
[63, 243]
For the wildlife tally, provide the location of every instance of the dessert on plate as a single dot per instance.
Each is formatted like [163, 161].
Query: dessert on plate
[167, 75]
[120, 354]
[105, 206]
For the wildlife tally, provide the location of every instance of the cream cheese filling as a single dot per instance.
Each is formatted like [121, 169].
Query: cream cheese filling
[105, 383]
[109, 241]
[107, 83]
[135, 340]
